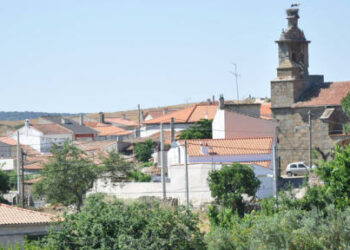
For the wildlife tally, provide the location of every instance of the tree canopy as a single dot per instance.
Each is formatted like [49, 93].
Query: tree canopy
[67, 177]
[143, 151]
[199, 130]
[118, 225]
[229, 183]
[4, 182]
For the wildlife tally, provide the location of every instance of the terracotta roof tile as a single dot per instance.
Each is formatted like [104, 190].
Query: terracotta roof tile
[34, 166]
[167, 136]
[244, 146]
[106, 129]
[121, 121]
[8, 140]
[32, 181]
[323, 95]
[188, 115]
[265, 164]
[51, 128]
[10, 215]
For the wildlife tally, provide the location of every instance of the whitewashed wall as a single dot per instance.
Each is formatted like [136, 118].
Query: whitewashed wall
[7, 164]
[199, 192]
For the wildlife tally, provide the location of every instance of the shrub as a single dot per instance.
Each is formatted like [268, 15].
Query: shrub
[143, 151]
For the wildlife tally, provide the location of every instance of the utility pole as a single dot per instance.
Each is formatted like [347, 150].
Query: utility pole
[310, 140]
[22, 178]
[172, 130]
[275, 171]
[162, 163]
[138, 133]
[236, 75]
[18, 166]
[186, 179]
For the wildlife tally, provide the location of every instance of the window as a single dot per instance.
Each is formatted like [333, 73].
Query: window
[302, 166]
[293, 166]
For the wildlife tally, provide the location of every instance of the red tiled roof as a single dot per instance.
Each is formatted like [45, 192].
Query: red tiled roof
[34, 166]
[8, 140]
[265, 164]
[244, 146]
[10, 215]
[188, 115]
[106, 129]
[51, 128]
[121, 121]
[265, 111]
[167, 136]
[325, 94]
[32, 181]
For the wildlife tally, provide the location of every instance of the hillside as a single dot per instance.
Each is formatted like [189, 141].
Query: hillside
[17, 115]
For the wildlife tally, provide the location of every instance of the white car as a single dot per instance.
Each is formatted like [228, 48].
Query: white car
[298, 168]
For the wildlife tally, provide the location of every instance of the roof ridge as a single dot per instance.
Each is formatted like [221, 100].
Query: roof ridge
[27, 210]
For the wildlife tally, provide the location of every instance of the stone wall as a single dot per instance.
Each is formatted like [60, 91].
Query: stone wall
[293, 134]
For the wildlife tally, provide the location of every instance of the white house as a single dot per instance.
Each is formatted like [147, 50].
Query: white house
[183, 119]
[203, 156]
[41, 136]
[17, 223]
[230, 124]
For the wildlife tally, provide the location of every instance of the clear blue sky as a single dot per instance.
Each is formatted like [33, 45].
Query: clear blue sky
[109, 55]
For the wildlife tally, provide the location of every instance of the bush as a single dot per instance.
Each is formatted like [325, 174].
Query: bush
[116, 225]
[138, 176]
[143, 151]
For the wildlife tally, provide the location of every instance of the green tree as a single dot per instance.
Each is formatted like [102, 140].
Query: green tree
[4, 183]
[336, 176]
[115, 166]
[345, 103]
[67, 177]
[229, 183]
[143, 151]
[118, 225]
[199, 130]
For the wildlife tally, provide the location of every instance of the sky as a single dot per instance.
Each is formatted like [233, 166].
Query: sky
[110, 55]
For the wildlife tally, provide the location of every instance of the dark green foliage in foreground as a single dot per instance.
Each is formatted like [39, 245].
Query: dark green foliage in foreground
[229, 183]
[4, 182]
[143, 151]
[199, 130]
[117, 225]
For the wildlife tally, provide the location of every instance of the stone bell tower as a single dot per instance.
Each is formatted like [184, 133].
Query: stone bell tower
[292, 72]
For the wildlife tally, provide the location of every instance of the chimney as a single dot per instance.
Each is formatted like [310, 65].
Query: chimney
[142, 115]
[165, 111]
[63, 121]
[222, 102]
[213, 99]
[204, 149]
[81, 120]
[209, 101]
[124, 116]
[26, 123]
[102, 117]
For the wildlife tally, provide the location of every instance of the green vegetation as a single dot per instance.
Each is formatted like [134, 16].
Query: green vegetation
[138, 176]
[4, 183]
[116, 167]
[67, 177]
[117, 225]
[199, 130]
[319, 220]
[229, 183]
[143, 151]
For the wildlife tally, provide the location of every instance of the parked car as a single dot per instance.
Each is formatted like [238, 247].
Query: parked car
[298, 168]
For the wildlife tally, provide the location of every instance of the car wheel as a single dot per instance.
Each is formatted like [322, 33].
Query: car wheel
[289, 174]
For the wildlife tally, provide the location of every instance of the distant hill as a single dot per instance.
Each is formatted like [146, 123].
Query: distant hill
[20, 116]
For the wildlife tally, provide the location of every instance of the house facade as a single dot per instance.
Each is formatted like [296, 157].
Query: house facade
[307, 108]
[41, 136]
[228, 124]
[17, 223]
[182, 119]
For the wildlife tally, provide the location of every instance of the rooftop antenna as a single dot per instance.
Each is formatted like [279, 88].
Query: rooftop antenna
[236, 75]
[295, 5]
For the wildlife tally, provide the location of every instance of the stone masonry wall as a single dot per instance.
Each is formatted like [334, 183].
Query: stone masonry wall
[293, 134]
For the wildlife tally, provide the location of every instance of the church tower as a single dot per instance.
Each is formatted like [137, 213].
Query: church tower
[292, 72]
